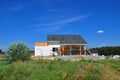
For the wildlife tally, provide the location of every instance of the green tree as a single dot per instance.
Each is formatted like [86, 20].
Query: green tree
[108, 50]
[17, 52]
[0, 50]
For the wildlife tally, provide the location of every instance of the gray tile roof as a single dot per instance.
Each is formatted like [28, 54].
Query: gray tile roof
[67, 39]
[53, 42]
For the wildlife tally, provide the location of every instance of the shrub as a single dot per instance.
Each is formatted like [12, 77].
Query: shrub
[17, 52]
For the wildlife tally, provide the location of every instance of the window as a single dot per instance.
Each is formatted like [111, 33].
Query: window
[54, 49]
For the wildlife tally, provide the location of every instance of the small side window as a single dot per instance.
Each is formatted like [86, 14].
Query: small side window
[54, 49]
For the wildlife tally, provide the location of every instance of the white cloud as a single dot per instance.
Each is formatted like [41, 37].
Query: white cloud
[62, 22]
[100, 31]
[57, 26]
[72, 19]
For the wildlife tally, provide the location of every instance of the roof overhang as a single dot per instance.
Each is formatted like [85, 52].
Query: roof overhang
[74, 44]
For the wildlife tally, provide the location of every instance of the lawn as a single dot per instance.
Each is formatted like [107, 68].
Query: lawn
[61, 70]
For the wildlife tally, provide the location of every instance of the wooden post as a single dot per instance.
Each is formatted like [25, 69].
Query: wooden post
[70, 50]
[85, 49]
[80, 50]
[63, 50]
[59, 51]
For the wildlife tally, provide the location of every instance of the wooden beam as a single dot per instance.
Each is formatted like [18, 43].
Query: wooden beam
[41, 44]
[53, 41]
[80, 50]
[72, 44]
[70, 50]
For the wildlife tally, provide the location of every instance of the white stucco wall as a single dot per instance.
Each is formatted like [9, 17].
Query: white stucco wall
[45, 50]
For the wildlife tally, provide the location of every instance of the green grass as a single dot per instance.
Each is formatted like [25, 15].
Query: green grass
[61, 70]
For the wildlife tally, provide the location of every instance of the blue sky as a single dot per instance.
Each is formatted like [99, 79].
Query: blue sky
[30, 21]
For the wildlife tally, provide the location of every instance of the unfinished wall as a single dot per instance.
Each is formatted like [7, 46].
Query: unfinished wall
[43, 49]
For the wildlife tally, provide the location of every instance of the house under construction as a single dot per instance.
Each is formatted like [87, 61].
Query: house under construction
[61, 45]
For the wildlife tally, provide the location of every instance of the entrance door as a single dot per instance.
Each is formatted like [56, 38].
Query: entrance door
[54, 51]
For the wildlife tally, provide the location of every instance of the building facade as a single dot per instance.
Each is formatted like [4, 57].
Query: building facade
[61, 45]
